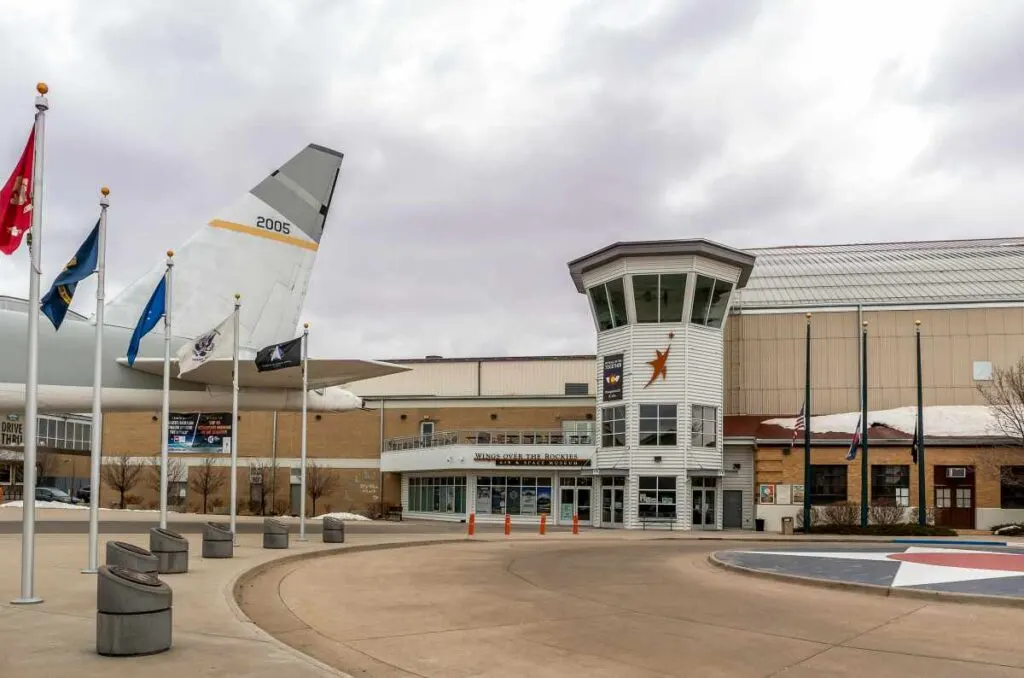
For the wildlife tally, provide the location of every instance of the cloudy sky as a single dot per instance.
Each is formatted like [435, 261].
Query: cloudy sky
[488, 143]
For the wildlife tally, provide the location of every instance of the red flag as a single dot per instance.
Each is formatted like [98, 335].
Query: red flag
[16, 200]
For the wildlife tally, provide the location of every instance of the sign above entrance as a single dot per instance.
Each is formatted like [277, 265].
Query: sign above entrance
[613, 377]
[11, 434]
[532, 458]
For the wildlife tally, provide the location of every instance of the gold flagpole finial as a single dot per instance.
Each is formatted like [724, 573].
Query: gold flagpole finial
[42, 88]
[170, 253]
[105, 191]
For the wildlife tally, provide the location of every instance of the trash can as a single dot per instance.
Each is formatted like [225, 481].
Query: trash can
[334, 530]
[132, 557]
[218, 542]
[170, 549]
[759, 524]
[787, 525]
[275, 534]
[133, 613]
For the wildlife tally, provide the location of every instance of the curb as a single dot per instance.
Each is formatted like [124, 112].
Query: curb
[872, 589]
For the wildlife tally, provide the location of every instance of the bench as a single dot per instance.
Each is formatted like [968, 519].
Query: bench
[393, 513]
[644, 520]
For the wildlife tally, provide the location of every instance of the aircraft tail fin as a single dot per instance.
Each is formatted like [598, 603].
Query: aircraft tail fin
[263, 247]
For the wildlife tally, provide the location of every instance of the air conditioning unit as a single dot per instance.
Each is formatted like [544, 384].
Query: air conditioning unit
[957, 472]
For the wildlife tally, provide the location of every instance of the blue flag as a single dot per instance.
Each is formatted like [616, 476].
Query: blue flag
[150, 317]
[56, 302]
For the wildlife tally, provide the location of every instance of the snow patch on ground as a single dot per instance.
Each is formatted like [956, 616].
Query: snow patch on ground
[963, 421]
[61, 505]
[341, 516]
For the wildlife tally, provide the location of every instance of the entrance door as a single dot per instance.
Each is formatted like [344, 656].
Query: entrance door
[703, 507]
[954, 496]
[732, 509]
[574, 499]
[613, 495]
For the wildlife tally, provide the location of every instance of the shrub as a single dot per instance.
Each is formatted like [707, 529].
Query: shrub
[815, 518]
[886, 513]
[897, 530]
[841, 513]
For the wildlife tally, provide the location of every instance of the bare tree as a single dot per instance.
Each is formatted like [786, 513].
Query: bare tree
[319, 482]
[261, 474]
[177, 472]
[206, 480]
[1004, 394]
[47, 464]
[121, 473]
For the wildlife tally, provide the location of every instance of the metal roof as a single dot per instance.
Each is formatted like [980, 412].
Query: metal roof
[943, 271]
[645, 248]
[9, 303]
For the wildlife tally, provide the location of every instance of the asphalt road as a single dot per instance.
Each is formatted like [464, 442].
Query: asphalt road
[611, 608]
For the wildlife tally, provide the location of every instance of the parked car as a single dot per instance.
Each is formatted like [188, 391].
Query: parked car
[54, 494]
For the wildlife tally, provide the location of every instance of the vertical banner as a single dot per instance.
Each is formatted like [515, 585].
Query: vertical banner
[613, 377]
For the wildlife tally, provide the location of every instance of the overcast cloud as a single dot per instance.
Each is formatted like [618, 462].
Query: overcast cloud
[488, 143]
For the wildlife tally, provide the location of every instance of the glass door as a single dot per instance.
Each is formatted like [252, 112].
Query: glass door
[606, 506]
[583, 504]
[567, 504]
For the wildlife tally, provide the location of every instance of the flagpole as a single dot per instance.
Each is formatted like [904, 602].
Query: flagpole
[97, 392]
[302, 454]
[234, 422]
[921, 494]
[864, 468]
[164, 423]
[31, 424]
[807, 429]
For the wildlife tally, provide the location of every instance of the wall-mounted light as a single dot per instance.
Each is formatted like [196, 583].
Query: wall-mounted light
[590, 415]
[403, 417]
[493, 416]
[319, 417]
[736, 467]
[657, 459]
[154, 417]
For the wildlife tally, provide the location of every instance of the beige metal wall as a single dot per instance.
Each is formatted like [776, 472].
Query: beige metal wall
[764, 370]
[526, 377]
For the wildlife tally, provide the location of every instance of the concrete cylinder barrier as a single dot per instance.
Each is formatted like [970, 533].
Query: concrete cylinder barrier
[132, 557]
[334, 530]
[218, 542]
[170, 549]
[275, 534]
[133, 613]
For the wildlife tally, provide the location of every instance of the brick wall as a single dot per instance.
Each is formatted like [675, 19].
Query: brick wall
[773, 466]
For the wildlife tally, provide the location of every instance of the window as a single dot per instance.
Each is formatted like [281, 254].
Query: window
[613, 426]
[659, 298]
[578, 432]
[657, 497]
[710, 299]
[657, 425]
[5, 474]
[704, 426]
[890, 485]
[609, 301]
[442, 494]
[1011, 487]
[942, 497]
[572, 389]
[828, 484]
[515, 495]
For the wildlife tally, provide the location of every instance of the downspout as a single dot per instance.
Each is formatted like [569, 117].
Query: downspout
[479, 377]
[380, 457]
[273, 467]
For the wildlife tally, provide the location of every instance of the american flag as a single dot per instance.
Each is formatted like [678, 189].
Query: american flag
[851, 454]
[798, 426]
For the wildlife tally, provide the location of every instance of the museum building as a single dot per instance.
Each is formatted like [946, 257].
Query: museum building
[683, 417]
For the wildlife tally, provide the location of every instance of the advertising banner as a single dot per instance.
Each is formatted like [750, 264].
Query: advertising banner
[198, 431]
[613, 377]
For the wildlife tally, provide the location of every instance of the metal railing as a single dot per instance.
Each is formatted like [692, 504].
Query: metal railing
[490, 437]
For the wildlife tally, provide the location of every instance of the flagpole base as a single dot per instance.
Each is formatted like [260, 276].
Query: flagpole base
[27, 601]
[89, 570]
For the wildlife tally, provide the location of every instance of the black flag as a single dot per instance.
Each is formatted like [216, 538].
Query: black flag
[280, 356]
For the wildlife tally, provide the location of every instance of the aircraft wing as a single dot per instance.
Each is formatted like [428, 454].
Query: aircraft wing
[322, 373]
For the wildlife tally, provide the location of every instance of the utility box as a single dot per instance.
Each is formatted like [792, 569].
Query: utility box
[787, 525]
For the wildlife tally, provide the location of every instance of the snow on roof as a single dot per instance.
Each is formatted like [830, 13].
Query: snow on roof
[944, 421]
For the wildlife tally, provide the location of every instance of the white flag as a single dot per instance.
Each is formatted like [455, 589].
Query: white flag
[217, 343]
